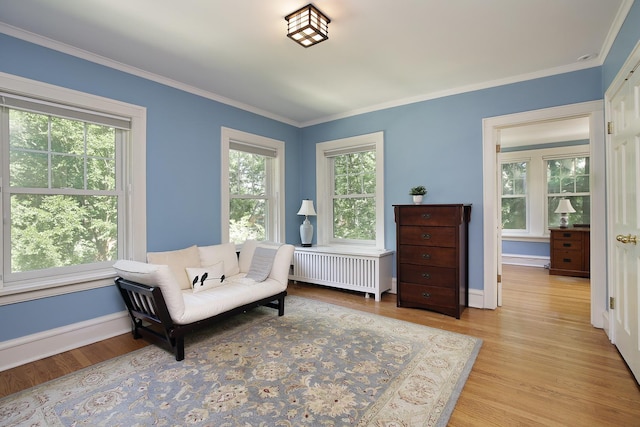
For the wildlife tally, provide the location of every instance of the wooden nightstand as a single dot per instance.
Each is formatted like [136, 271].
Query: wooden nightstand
[570, 251]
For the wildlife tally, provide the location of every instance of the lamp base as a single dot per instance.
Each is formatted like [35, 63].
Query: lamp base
[306, 233]
[564, 220]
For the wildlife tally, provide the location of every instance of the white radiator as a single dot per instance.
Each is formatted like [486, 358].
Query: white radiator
[367, 271]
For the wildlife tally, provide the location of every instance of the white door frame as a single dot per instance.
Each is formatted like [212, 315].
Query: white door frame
[491, 128]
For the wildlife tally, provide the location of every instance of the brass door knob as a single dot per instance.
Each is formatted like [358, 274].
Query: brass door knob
[627, 239]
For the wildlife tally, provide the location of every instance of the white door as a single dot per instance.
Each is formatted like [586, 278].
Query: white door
[624, 256]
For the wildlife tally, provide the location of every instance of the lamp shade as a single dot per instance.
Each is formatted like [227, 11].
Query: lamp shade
[307, 208]
[564, 207]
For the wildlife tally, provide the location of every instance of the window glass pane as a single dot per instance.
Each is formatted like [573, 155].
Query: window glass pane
[67, 172]
[247, 220]
[101, 174]
[247, 173]
[28, 169]
[67, 136]
[514, 213]
[28, 130]
[354, 218]
[101, 141]
[582, 205]
[58, 231]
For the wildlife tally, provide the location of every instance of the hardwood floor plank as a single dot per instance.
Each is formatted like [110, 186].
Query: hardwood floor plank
[541, 363]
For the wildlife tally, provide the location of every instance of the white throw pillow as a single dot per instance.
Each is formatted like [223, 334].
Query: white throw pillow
[154, 275]
[206, 277]
[178, 261]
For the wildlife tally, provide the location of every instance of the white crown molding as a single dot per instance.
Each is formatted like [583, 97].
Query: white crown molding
[88, 56]
[623, 11]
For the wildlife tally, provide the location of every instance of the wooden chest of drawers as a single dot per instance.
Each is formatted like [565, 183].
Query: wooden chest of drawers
[570, 251]
[432, 257]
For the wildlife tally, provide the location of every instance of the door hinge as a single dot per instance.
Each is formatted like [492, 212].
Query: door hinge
[499, 278]
[609, 128]
[612, 303]
[498, 148]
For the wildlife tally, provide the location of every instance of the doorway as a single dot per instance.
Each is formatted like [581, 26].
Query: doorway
[492, 127]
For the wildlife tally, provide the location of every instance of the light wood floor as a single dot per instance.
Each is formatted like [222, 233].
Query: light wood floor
[541, 362]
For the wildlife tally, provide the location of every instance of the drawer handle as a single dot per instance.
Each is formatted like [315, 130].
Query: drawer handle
[566, 259]
[426, 215]
[566, 234]
[426, 294]
[426, 275]
[426, 236]
[566, 245]
[426, 256]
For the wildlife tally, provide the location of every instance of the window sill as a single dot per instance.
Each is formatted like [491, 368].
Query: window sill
[16, 293]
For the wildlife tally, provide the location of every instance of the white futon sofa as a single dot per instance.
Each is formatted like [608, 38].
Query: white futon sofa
[179, 291]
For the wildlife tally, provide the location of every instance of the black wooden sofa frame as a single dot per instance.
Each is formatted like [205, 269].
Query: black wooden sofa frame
[151, 319]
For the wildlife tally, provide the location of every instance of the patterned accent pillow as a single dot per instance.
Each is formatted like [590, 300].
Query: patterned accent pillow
[207, 277]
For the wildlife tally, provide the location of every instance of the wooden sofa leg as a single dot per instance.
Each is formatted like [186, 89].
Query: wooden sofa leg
[281, 306]
[179, 349]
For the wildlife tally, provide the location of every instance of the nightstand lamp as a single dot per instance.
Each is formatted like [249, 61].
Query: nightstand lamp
[564, 209]
[306, 229]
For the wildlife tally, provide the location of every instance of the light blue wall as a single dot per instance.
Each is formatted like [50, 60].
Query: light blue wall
[436, 143]
[183, 169]
[514, 247]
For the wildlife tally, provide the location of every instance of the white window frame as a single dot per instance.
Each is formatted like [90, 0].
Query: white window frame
[537, 187]
[323, 187]
[276, 225]
[526, 195]
[133, 240]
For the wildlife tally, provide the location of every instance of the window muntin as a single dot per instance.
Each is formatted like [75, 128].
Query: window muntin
[514, 195]
[61, 200]
[350, 191]
[252, 175]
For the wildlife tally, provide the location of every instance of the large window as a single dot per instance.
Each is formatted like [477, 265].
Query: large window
[533, 182]
[66, 175]
[350, 191]
[253, 180]
[568, 178]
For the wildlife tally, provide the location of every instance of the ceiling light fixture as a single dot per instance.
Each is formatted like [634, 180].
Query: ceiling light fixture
[307, 26]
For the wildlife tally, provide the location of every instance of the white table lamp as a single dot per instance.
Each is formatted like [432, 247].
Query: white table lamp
[564, 209]
[306, 229]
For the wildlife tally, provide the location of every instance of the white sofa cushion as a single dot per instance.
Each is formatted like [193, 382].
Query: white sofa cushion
[178, 261]
[225, 252]
[235, 292]
[154, 275]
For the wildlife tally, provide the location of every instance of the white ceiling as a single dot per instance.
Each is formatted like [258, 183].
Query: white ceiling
[380, 53]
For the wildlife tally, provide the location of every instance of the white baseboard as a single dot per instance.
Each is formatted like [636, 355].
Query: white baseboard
[525, 260]
[476, 298]
[33, 347]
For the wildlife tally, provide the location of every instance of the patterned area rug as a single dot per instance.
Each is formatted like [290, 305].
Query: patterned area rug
[318, 365]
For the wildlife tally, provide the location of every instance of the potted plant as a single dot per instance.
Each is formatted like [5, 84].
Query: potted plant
[418, 193]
